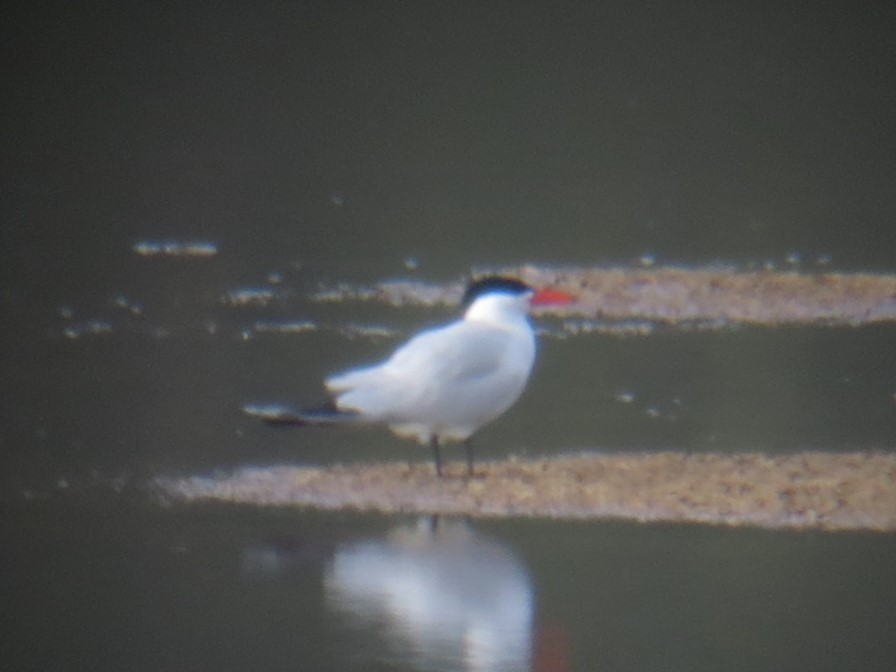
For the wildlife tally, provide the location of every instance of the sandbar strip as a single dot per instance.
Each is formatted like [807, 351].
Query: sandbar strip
[810, 490]
[673, 295]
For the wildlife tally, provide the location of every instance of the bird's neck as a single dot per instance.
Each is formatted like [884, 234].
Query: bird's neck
[496, 314]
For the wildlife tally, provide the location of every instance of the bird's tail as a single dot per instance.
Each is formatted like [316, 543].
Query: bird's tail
[284, 416]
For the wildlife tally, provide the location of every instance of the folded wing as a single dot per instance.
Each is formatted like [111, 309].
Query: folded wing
[450, 380]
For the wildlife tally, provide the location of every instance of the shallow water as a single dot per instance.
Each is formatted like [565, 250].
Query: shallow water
[107, 584]
[182, 184]
[102, 576]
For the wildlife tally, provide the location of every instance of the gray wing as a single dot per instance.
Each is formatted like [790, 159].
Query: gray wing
[458, 352]
[464, 363]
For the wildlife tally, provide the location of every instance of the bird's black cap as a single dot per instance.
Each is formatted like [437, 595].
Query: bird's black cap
[493, 283]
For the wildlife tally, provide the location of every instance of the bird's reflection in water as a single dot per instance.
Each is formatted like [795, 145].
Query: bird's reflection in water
[443, 595]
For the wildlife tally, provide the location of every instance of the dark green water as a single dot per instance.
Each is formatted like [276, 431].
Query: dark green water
[100, 584]
[319, 143]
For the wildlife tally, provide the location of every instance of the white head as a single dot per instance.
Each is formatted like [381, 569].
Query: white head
[497, 298]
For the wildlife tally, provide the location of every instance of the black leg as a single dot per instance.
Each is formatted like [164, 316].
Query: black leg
[436, 453]
[468, 446]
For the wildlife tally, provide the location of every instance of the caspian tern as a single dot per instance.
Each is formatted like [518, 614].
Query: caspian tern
[445, 383]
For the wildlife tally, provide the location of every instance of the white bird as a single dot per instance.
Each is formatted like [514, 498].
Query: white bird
[447, 382]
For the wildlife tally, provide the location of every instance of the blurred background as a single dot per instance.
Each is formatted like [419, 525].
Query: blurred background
[162, 162]
[355, 134]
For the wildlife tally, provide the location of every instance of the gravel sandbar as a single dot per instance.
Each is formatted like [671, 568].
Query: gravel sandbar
[831, 491]
[674, 295]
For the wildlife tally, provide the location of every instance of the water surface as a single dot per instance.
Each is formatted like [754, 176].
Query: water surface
[168, 168]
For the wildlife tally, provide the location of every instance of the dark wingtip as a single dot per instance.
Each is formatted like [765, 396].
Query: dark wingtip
[275, 415]
[285, 422]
